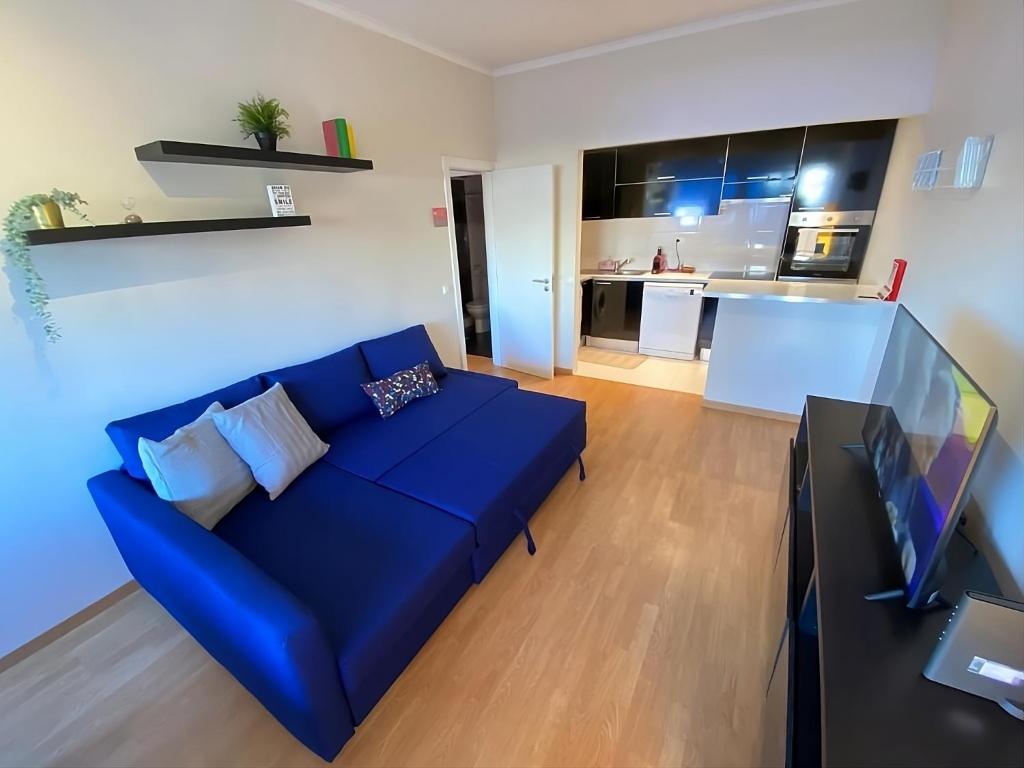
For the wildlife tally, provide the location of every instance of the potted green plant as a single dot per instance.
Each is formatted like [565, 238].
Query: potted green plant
[44, 211]
[265, 119]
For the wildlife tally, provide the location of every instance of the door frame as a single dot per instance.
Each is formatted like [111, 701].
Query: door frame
[454, 167]
[577, 274]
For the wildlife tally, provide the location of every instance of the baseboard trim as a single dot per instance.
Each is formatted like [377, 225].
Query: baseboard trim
[749, 411]
[72, 622]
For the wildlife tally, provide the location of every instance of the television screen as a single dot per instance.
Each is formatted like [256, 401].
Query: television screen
[924, 431]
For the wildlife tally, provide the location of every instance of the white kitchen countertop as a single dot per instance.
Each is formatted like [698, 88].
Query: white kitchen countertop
[667, 277]
[772, 290]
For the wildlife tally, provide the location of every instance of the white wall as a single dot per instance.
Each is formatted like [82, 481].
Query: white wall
[858, 61]
[965, 251]
[148, 322]
[887, 234]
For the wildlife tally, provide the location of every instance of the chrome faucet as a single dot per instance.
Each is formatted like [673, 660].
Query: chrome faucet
[620, 264]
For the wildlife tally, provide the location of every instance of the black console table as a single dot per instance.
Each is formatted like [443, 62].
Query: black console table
[844, 684]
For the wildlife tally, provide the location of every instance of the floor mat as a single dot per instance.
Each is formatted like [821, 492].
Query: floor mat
[608, 357]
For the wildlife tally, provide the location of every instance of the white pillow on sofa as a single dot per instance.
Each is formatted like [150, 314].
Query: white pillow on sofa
[271, 436]
[196, 470]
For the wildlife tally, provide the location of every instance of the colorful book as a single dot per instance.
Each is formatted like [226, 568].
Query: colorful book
[351, 140]
[339, 140]
[331, 139]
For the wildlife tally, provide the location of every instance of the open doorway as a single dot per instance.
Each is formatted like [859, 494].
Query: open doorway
[517, 217]
[471, 250]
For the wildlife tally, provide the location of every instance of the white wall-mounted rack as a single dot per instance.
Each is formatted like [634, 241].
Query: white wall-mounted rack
[967, 173]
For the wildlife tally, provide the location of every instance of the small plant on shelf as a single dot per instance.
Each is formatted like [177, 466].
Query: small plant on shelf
[42, 210]
[265, 119]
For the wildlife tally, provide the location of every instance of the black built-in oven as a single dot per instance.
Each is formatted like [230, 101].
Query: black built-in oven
[825, 245]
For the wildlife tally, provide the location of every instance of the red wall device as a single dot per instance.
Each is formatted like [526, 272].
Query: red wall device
[892, 285]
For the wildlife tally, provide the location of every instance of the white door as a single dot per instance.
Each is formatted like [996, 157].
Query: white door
[520, 221]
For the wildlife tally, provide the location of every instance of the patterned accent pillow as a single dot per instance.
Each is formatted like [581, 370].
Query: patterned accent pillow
[399, 389]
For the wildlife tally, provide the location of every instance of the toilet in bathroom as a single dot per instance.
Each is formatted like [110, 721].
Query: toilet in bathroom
[478, 310]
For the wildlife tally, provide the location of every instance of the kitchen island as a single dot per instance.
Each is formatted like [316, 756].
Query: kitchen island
[775, 342]
[793, 291]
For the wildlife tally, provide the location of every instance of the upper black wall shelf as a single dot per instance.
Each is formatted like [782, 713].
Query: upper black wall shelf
[146, 229]
[217, 154]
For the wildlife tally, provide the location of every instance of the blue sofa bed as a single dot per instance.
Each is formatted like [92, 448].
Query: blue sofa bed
[318, 600]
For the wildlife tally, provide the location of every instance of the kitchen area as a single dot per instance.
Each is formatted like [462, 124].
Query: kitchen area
[722, 265]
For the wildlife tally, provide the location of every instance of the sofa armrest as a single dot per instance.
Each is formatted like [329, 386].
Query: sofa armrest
[258, 630]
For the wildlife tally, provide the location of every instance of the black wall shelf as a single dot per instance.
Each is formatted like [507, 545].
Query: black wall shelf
[216, 154]
[148, 229]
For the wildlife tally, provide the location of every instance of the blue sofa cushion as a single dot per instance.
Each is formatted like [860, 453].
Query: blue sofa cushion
[400, 351]
[495, 467]
[369, 446]
[326, 391]
[367, 561]
[160, 424]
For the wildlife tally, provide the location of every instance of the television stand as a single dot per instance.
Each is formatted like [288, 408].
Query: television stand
[888, 594]
[844, 681]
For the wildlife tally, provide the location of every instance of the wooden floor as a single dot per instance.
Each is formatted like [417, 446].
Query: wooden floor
[634, 637]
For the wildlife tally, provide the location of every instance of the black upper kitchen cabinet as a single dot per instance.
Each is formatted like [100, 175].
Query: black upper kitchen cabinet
[598, 184]
[668, 198]
[763, 164]
[844, 166]
[672, 160]
[615, 309]
[764, 155]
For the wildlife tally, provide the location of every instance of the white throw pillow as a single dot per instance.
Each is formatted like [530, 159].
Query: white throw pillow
[271, 436]
[196, 470]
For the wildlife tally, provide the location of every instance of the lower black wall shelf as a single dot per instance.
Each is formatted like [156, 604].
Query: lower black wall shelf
[148, 229]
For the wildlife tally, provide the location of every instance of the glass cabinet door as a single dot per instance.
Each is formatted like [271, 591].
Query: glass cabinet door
[679, 199]
[843, 166]
[764, 156]
[598, 184]
[672, 160]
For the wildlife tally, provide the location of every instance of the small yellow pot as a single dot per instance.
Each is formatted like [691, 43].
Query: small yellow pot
[48, 215]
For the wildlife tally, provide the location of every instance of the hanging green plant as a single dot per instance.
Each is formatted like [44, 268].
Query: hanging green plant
[42, 210]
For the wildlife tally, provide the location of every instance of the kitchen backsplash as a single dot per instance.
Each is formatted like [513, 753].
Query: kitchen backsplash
[746, 236]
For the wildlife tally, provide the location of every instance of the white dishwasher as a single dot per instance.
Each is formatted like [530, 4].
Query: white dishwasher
[670, 319]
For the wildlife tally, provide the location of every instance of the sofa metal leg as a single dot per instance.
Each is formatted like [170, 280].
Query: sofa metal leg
[583, 472]
[530, 546]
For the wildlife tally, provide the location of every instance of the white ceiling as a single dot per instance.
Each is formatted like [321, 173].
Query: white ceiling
[499, 36]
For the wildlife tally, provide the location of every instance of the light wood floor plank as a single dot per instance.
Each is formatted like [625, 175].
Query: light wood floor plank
[635, 637]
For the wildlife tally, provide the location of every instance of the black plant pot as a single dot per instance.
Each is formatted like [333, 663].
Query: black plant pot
[267, 141]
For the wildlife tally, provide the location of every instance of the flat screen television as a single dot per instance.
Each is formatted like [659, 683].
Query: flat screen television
[924, 432]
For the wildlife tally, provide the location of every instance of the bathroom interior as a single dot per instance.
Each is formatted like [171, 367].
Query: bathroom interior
[468, 216]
